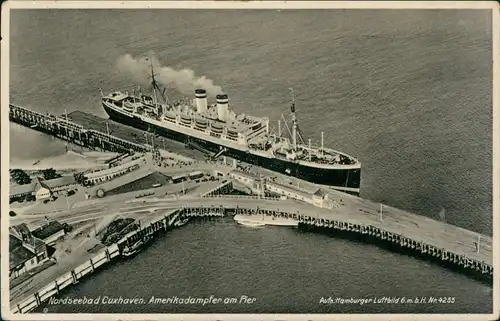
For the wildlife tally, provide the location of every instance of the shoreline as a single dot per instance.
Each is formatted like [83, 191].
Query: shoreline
[68, 161]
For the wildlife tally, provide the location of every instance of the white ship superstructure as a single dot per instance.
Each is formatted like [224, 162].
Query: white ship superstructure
[219, 129]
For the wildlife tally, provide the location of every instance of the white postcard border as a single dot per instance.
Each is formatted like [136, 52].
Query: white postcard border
[5, 17]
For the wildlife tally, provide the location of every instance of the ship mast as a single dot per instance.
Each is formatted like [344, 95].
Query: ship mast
[294, 121]
[153, 83]
[155, 86]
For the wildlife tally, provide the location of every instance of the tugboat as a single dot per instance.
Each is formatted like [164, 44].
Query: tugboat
[218, 130]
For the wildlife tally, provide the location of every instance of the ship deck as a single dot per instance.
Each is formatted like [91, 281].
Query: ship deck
[131, 134]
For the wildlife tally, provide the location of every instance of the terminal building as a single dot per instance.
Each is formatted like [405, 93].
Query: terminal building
[50, 232]
[40, 189]
[26, 252]
[30, 249]
[120, 166]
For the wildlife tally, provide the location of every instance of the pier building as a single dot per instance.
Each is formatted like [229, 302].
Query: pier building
[26, 251]
[49, 233]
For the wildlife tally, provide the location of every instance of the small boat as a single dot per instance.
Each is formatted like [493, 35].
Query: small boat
[251, 223]
[181, 222]
[258, 221]
[136, 247]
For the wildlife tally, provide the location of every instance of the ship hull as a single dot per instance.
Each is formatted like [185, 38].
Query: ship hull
[346, 180]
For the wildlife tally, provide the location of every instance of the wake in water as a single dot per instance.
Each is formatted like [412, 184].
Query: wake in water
[184, 80]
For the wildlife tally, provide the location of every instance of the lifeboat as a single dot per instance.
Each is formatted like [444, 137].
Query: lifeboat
[256, 127]
[201, 123]
[169, 116]
[185, 119]
[232, 133]
[217, 128]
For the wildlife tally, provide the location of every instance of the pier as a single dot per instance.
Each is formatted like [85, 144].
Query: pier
[314, 209]
[219, 206]
[65, 129]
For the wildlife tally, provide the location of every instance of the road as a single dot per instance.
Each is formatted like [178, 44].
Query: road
[416, 227]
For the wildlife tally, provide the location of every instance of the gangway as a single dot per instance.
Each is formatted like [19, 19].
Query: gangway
[198, 147]
[222, 151]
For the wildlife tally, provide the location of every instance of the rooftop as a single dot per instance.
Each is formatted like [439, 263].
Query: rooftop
[38, 183]
[14, 242]
[18, 254]
[21, 189]
[35, 184]
[47, 230]
[20, 231]
[61, 181]
[291, 189]
[320, 193]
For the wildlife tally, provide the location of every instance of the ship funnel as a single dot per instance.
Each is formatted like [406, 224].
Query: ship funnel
[201, 100]
[222, 106]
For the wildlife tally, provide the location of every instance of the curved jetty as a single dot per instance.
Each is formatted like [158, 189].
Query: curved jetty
[310, 207]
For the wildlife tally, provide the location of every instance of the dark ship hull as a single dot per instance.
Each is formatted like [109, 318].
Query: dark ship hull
[347, 180]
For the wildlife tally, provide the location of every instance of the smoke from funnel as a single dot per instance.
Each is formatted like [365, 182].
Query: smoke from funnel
[184, 80]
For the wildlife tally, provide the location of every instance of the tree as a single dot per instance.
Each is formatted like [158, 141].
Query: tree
[20, 177]
[50, 173]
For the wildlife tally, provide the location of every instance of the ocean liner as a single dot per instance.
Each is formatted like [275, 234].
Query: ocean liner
[215, 128]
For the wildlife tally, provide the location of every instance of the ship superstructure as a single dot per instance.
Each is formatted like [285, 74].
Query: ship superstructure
[218, 129]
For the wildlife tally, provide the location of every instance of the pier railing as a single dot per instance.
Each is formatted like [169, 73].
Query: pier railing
[71, 277]
[246, 197]
[338, 227]
[70, 131]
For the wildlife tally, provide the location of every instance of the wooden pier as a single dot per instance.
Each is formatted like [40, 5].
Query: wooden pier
[213, 207]
[351, 217]
[65, 129]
